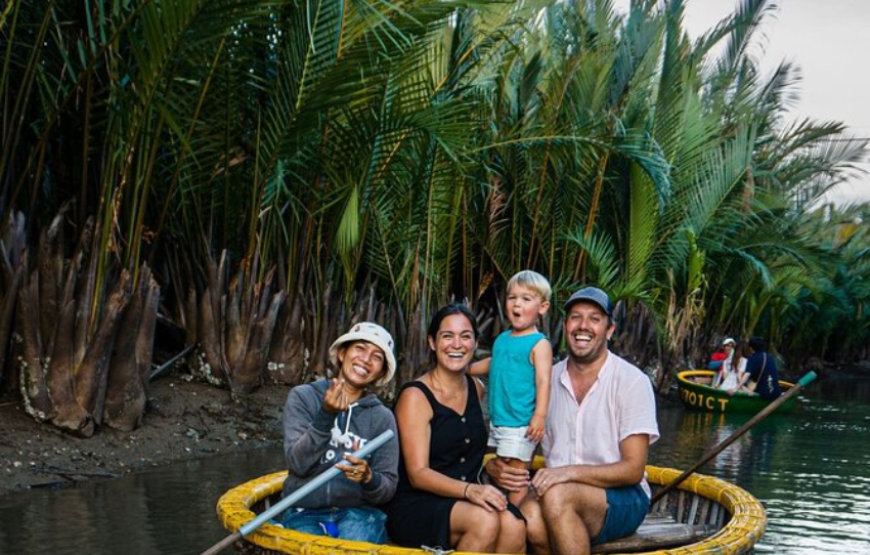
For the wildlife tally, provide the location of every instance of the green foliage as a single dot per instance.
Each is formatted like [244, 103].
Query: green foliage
[435, 148]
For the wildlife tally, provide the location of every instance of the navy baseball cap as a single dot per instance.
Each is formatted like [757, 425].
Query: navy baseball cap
[593, 295]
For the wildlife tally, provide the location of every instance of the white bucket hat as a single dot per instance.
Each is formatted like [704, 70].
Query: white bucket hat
[374, 334]
[729, 341]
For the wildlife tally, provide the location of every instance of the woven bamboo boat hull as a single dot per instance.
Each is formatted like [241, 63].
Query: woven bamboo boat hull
[731, 519]
[696, 393]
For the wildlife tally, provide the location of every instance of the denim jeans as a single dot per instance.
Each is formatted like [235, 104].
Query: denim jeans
[365, 524]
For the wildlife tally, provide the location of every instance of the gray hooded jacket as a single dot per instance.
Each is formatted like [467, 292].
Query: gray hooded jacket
[315, 440]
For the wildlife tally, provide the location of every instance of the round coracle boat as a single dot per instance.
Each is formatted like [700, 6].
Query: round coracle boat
[703, 515]
[697, 393]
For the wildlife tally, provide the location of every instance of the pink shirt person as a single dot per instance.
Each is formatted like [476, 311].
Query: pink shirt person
[620, 403]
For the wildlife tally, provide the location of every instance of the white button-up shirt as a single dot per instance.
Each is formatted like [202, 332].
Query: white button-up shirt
[619, 404]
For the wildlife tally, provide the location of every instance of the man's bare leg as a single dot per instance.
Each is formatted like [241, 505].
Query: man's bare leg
[573, 514]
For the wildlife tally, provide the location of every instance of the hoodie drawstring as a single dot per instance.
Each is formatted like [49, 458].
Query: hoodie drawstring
[347, 422]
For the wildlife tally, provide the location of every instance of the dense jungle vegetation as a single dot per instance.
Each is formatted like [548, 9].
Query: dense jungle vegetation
[247, 177]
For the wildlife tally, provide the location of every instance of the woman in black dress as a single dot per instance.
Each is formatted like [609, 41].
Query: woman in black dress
[439, 502]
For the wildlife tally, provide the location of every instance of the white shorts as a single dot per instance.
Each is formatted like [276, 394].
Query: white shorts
[511, 443]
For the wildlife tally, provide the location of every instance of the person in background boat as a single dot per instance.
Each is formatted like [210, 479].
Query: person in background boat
[601, 422]
[519, 374]
[326, 421]
[723, 354]
[762, 369]
[732, 374]
[442, 435]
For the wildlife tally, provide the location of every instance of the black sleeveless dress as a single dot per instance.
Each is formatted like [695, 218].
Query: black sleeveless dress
[456, 448]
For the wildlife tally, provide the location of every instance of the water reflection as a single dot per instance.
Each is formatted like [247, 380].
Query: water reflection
[165, 512]
[809, 468]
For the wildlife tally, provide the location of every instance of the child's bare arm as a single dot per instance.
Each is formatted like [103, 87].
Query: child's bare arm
[479, 368]
[542, 360]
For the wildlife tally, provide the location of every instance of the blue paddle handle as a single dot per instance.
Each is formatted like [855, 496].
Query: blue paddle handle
[327, 475]
[808, 377]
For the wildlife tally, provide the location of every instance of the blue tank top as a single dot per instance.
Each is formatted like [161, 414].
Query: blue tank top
[512, 379]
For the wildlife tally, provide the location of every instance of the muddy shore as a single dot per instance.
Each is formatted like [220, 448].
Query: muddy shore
[184, 420]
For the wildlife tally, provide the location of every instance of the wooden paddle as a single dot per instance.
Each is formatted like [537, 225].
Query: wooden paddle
[808, 377]
[279, 507]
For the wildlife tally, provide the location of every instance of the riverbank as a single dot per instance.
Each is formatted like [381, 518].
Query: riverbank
[184, 420]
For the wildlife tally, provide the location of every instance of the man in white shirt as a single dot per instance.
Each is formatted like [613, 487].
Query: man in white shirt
[600, 424]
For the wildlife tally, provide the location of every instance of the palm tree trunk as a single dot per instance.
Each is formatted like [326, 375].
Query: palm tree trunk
[34, 389]
[287, 361]
[233, 324]
[74, 373]
[131, 358]
[91, 376]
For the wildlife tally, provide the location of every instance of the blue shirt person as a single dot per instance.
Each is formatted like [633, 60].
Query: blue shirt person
[763, 370]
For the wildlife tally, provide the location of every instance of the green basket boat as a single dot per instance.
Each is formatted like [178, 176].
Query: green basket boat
[704, 515]
[696, 393]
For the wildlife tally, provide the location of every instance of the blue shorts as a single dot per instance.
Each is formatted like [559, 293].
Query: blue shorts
[626, 509]
[363, 524]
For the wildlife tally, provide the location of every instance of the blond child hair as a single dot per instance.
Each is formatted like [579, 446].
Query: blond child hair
[533, 281]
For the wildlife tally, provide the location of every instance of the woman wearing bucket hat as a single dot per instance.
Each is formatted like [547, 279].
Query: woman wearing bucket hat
[326, 421]
[439, 502]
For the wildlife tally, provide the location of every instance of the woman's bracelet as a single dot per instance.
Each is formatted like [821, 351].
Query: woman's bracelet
[465, 491]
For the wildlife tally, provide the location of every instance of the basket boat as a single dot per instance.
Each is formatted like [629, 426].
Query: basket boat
[703, 515]
[696, 393]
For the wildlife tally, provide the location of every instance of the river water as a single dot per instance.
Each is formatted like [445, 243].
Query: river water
[811, 468]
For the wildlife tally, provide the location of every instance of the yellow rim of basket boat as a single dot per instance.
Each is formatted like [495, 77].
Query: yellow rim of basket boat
[686, 374]
[744, 530]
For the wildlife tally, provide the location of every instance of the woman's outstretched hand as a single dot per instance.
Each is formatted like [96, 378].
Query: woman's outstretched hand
[488, 497]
